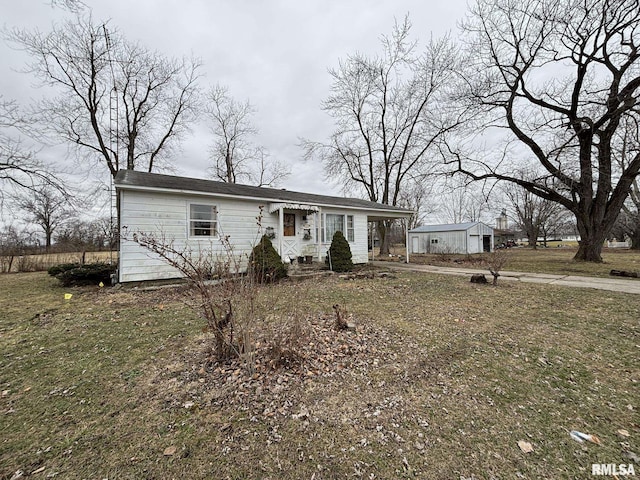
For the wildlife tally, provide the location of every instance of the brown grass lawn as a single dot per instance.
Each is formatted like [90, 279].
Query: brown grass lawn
[441, 380]
[542, 260]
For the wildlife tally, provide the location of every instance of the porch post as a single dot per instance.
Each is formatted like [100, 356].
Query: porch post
[319, 232]
[280, 230]
[406, 241]
[370, 235]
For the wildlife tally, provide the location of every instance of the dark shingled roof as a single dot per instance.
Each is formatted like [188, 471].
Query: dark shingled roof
[134, 179]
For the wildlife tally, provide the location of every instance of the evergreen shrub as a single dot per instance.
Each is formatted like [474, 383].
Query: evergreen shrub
[340, 253]
[265, 262]
[87, 274]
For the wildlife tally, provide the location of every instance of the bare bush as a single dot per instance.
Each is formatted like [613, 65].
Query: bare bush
[215, 282]
[496, 261]
[341, 321]
[286, 342]
[443, 251]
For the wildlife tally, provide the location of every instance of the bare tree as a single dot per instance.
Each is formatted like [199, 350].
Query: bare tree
[461, 201]
[47, 208]
[74, 6]
[416, 196]
[535, 216]
[496, 261]
[561, 76]
[389, 117]
[629, 219]
[117, 101]
[235, 158]
[77, 234]
[19, 164]
[15, 243]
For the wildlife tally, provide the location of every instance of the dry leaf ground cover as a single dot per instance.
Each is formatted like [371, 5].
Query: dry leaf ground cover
[441, 379]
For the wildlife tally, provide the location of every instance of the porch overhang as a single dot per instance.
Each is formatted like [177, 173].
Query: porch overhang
[274, 207]
[382, 215]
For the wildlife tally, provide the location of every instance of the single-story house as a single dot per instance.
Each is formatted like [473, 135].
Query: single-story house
[196, 215]
[470, 237]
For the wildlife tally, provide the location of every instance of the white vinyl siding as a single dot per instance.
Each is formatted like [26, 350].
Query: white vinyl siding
[166, 216]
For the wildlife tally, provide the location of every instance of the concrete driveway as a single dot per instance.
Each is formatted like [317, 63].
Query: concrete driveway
[612, 284]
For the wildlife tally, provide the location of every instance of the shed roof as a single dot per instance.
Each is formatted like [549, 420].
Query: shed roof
[447, 227]
[135, 180]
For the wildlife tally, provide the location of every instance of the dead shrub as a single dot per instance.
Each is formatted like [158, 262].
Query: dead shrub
[223, 293]
[286, 342]
[496, 261]
[217, 287]
[340, 321]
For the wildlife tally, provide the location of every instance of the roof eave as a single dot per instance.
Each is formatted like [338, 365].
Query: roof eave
[385, 213]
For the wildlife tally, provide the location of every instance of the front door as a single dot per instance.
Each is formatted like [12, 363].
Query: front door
[290, 241]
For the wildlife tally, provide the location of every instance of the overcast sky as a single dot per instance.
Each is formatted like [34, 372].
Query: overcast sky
[275, 53]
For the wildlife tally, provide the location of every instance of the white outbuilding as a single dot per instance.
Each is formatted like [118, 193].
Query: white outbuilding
[470, 237]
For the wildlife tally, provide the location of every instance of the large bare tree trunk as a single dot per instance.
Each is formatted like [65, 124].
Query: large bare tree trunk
[592, 239]
[383, 236]
[635, 239]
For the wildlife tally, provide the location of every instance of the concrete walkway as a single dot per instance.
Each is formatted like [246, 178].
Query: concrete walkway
[612, 284]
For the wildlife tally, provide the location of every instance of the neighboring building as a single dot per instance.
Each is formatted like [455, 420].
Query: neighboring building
[502, 221]
[502, 234]
[194, 214]
[471, 237]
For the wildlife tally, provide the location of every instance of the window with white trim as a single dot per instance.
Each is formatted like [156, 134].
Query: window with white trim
[350, 228]
[333, 222]
[203, 220]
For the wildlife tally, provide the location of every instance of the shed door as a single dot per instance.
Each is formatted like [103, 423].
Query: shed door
[486, 243]
[415, 244]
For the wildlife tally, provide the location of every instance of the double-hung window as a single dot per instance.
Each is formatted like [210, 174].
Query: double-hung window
[336, 222]
[350, 229]
[203, 220]
[333, 223]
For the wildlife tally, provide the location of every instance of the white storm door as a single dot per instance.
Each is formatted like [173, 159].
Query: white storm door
[290, 240]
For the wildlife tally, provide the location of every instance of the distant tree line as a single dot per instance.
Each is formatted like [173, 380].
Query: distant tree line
[75, 235]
